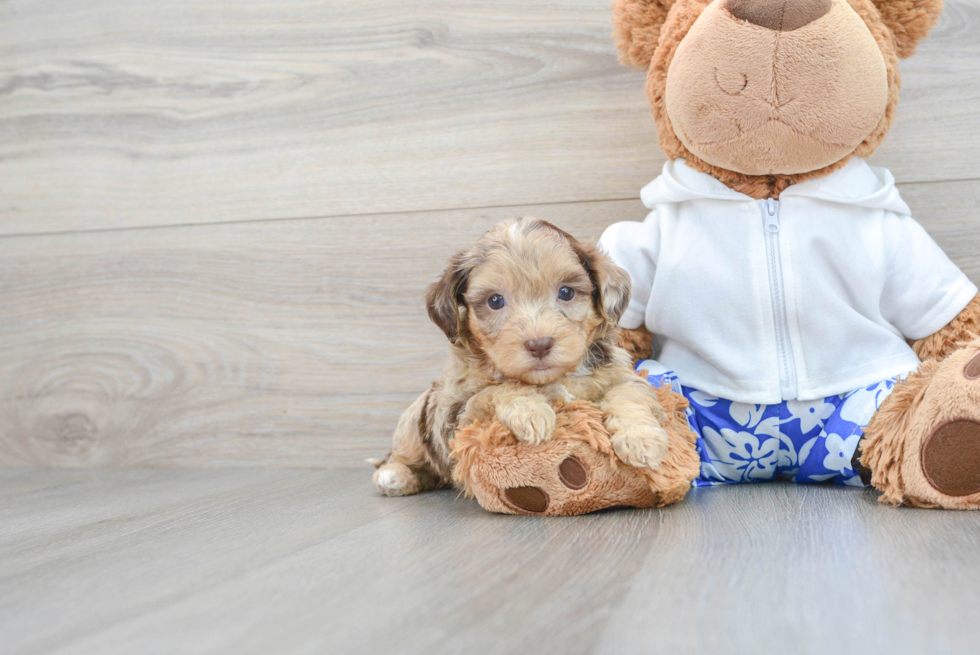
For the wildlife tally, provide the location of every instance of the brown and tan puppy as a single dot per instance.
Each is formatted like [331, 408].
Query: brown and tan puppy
[531, 314]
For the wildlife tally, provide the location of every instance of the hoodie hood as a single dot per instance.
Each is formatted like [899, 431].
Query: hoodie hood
[856, 184]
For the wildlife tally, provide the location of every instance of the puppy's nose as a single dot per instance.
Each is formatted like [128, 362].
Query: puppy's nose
[779, 15]
[540, 348]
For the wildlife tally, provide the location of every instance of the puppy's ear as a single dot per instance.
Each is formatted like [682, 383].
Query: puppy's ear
[909, 21]
[611, 285]
[637, 26]
[444, 298]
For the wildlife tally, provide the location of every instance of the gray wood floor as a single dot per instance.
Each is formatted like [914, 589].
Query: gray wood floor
[261, 561]
[216, 222]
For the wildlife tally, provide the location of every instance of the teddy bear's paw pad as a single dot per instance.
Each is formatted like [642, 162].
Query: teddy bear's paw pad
[573, 473]
[951, 457]
[972, 370]
[529, 499]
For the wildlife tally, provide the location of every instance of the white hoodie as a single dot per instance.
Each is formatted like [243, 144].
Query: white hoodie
[807, 297]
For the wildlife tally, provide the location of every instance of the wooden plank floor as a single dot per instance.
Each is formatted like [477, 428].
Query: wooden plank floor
[258, 561]
[216, 222]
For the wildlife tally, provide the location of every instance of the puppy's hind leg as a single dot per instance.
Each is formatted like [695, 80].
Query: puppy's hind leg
[407, 469]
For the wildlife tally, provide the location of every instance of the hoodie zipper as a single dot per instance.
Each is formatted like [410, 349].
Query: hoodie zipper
[784, 346]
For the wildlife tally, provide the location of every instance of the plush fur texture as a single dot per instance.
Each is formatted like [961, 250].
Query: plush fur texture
[638, 343]
[960, 331]
[491, 464]
[936, 395]
[531, 315]
[784, 16]
[761, 101]
[639, 24]
[909, 21]
[883, 448]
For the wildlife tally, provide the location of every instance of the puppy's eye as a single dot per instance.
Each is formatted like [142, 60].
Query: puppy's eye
[496, 301]
[566, 293]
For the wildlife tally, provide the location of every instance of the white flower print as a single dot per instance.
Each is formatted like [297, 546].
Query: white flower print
[860, 405]
[839, 452]
[703, 399]
[745, 414]
[812, 413]
[805, 451]
[709, 472]
[740, 455]
[769, 427]
[787, 453]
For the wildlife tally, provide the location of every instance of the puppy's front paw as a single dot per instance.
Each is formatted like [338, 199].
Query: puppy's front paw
[638, 444]
[530, 421]
[396, 479]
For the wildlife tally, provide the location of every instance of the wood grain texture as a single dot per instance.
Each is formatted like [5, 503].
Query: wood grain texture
[294, 343]
[136, 113]
[281, 343]
[251, 561]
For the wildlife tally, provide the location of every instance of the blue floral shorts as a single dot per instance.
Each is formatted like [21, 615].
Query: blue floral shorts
[802, 441]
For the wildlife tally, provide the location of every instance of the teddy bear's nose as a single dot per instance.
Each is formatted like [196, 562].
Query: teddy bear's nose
[780, 15]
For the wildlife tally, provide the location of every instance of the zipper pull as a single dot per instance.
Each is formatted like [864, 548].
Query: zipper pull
[772, 216]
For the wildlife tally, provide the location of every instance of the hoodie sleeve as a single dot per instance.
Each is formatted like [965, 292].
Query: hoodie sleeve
[633, 246]
[923, 289]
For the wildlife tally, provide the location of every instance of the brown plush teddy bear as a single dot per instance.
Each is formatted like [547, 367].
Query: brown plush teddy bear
[805, 327]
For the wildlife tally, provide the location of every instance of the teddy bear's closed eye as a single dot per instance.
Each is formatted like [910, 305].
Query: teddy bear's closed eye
[731, 83]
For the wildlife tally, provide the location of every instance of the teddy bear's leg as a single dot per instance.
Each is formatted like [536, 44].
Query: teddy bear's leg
[923, 445]
[577, 470]
[561, 477]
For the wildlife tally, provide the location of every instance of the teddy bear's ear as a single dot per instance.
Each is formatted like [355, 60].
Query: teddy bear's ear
[637, 26]
[909, 20]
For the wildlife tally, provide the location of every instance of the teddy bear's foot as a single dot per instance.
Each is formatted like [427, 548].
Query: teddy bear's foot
[923, 446]
[559, 477]
[951, 459]
[575, 472]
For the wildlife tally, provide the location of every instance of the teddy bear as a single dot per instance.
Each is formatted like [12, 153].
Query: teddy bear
[797, 322]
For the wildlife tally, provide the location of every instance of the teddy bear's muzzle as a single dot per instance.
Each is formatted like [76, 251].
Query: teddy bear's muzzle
[776, 87]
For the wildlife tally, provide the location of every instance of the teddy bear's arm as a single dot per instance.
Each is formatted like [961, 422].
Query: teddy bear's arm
[638, 343]
[961, 330]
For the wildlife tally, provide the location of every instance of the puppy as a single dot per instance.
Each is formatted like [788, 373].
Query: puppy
[531, 314]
